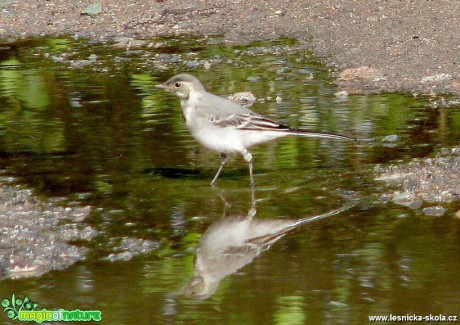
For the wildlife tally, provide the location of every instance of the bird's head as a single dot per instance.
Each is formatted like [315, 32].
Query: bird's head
[200, 287]
[182, 85]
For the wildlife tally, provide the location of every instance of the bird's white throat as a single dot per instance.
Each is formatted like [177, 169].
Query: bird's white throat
[189, 105]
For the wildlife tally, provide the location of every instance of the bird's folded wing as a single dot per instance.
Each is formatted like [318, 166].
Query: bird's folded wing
[247, 121]
[222, 112]
[229, 261]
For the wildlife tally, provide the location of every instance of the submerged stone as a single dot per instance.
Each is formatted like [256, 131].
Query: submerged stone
[436, 211]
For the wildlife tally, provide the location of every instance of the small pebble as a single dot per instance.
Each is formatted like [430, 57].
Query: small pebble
[341, 94]
[436, 211]
[244, 98]
[304, 71]
[407, 199]
[390, 138]
[253, 79]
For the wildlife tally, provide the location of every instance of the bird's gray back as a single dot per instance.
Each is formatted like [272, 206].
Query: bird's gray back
[220, 108]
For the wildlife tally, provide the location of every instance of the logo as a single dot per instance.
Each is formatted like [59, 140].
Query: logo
[25, 310]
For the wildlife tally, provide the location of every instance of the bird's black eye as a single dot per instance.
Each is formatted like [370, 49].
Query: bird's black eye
[177, 84]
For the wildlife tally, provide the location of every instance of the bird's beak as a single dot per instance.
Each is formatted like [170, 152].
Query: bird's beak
[161, 86]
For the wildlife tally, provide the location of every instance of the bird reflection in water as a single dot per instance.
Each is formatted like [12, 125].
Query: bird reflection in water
[233, 242]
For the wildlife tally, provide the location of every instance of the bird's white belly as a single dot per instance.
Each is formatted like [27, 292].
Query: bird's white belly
[229, 140]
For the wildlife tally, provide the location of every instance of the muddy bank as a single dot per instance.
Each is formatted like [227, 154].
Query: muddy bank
[426, 184]
[408, 46]
[36, 236]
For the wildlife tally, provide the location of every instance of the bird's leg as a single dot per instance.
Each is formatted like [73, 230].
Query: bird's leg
[227, 205]
[223, 161]
[248, 157]
[253, 197]
[253, 210]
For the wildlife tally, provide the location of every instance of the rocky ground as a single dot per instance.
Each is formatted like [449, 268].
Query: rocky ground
[370, 47]
[35, 235]
[431, 182]
[388, 45]
[38, 236]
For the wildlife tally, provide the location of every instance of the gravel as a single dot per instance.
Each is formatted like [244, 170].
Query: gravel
[424, 181]
[35, 235]
[370, 47]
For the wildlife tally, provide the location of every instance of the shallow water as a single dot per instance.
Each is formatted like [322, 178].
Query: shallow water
[82, 123]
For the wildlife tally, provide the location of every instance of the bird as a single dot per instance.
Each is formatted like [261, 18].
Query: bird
[227, 127]
[234, 241]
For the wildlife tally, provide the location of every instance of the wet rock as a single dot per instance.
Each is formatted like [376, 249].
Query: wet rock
[119, 59]
[207, 65]
[306, 72]
[58, 59]
[346, 194]
[282, 70]
[390, 138]
[130, 247]
[93, 9]
[78, 214]
[129, 43]
[436, 211]
[341, 94]
[338, 304]
[385, 198]
[281, 61]
[34, 234]
[407, 199]
[123, 256]
[442, 102]
[175, 58]
[410, 184]
[75, 232]
[253, 79]
[429, 180]
[190, 65]
[245, 98]
[78, 64]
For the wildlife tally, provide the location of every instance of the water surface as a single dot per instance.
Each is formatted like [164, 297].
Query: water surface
[82, 123]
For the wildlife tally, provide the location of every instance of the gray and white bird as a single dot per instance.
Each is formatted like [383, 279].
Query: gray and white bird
[224, 126]
[233, 242]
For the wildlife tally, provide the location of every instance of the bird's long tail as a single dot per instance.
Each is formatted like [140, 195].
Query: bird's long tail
[324, 135]
[325, 215]
[268, 239]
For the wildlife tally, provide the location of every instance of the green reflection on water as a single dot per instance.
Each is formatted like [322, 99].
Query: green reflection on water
[291, 310]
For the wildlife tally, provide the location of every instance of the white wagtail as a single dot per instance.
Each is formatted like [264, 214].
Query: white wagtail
[233, 242]
[224, 126]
